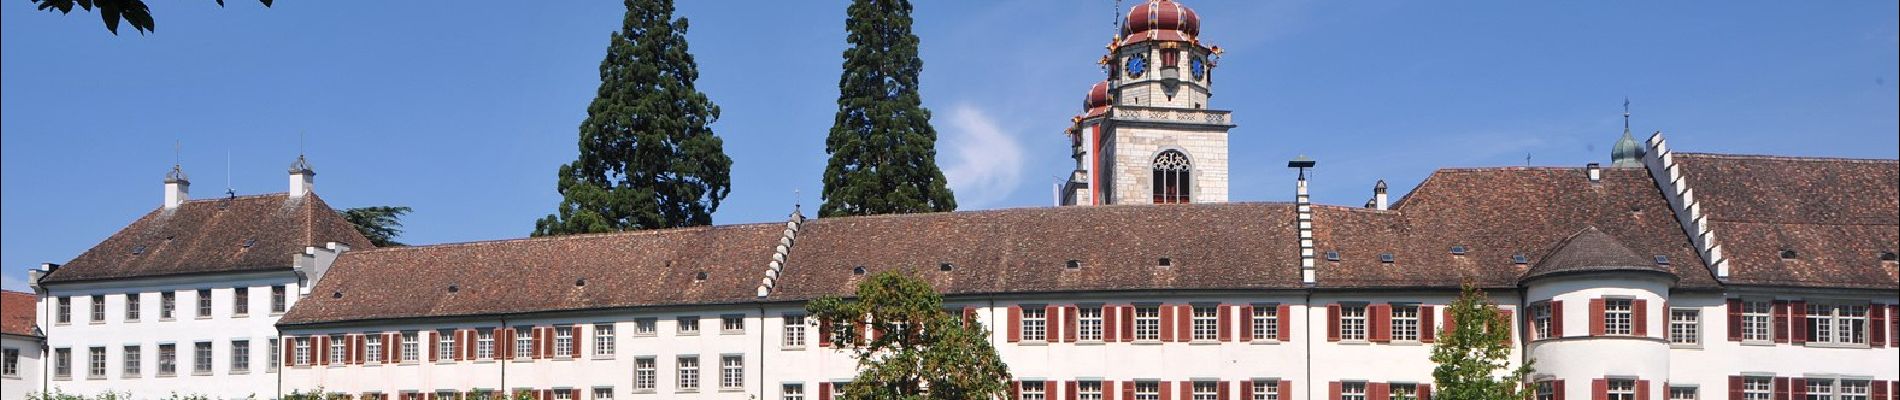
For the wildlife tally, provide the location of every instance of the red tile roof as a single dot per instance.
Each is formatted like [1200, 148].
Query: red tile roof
[208, 236]
[1837, 215]
[17, 313]
[1590, 250]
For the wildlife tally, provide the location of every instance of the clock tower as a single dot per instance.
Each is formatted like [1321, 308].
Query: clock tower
[1146, 134]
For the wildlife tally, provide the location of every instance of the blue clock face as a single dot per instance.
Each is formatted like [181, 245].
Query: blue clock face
[1199, 68]
[1137, 65]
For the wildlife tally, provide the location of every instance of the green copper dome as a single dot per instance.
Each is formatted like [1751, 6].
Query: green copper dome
[1626, 153]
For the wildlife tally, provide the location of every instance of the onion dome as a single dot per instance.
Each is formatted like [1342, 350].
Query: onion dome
[1163, 20]
[1097, 101]
[1626, 153]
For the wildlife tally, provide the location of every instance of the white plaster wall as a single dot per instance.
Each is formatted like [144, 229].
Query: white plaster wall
[28, 380]
[186, 328]
[1402, 362]
[1710, 365]
[1578, 358]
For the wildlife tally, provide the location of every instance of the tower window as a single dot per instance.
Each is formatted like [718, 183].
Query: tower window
[1171, 184]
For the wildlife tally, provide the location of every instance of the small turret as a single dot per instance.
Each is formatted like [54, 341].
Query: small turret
[1627, 152]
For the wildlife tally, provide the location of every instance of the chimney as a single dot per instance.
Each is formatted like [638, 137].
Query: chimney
[1378, 195]
[301, 177]
[177, 187]
[1303, 211]
[1596, 172]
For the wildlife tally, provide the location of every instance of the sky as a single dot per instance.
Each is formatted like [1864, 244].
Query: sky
[465, 113]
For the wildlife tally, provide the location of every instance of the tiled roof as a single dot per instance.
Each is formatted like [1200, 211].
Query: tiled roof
[205, 236]
[544, 274]
[1209, 246]
[16, 313]
[1837, 215]
[1495, 214]
[1592, 250]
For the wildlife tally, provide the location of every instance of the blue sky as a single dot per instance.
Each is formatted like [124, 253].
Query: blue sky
[465, 112]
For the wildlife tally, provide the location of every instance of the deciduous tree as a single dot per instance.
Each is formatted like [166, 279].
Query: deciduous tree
[1474, 354]
[132, 11]
[907, 346]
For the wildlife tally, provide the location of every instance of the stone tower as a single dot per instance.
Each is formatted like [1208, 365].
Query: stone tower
[1146, 135]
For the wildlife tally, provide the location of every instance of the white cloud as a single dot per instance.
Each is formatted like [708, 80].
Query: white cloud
[985, 163]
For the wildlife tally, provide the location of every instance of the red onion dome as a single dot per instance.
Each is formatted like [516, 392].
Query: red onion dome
[1097, 101]
[1161, 20]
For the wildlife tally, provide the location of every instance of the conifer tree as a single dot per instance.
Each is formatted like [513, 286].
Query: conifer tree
[883, 150]
[647, 156]
[1473, 353]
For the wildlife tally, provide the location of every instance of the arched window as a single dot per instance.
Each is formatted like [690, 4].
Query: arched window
[1171, 182]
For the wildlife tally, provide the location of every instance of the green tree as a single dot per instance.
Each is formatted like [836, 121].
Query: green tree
[381, 224]
[132, 11]
[647, 157]
[915, 350]
[1474, 357]
[883, 150]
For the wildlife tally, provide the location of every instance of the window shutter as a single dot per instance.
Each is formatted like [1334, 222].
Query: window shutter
[1187, 389]
[547, 342]
[824, 333]
[1642, 388]
[1734, 381]
[429, 339]
[1378, 391]
[1015, 324]
[1876, 327]
[1128, 390]
[1220, 391]
[1639, 319]
[290, 354]
[1780, 316]
[1110, 328]
[1424, 391]
[391, 342]
[1167, 323]
[1184, 326]
[1781, 388]
[353, 349]
[864, 333]
[1016, 390]
[1286, 389]
[1285, 316]
[534, 342]
[1246, 390]
[1379, 326]
[1557, 390]
[1599, 387]
[1221, 324]
[1735, 323]
[1893, 334]
[1509, 332]
[468, 342]
[1596, 319]
[1167, 390]
[1556, 318]
[1798, 388]
[1071, 324]
[1246, 335]
[1332, 331]
[1332, 391]
[1427, 324]
[1880, 390]
[1128, 323]
[1070, 391]
[1798, 316]
[969, 314]
[321, 348]
[824, 390]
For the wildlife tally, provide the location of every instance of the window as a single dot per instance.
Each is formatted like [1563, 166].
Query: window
[62, 362]
[604, 340]
[1403, 391]
[1032, 390]
[411, 346]
[1035, 324]
[65, 306]
[96, 363]
[338, 349]
[1621, 389]
[1206, 323]
[524, 342]
[688, 373]
[731, 372]
[1540, 320]
[643, 373]
[1266, 323]
[1820, 389]
[1546, 390]
[1404, 323]
[444, 345]
[1837, 323]
[133, 361]
[277, 299]
[301, 351]
[791, 391]
[1352, 391]
[794, 331]
[1265, 390]
[689, 325]
[1089, 323]
[1682, 393]
[1616, 317]
[485, 343]
[372, 347]
[1171, 177]
[1755, 320]
[1148, 390]
[241, 301]
[645, 326]
[167, 359]
[1088, 390]
[167, 305]
[204, 303]
[1206, 391]
[10, 362]
[132, 307]
[564, 341]
[275, 355]
[603, 393]
[1685, 326]
[1147, 323]
[98, 308]
[1853, 390]
[201, 358]
[1352, 324]
[241, 356]
[561, 394]
[732, 324]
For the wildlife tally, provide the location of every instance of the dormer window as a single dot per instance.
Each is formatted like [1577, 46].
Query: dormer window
[1165, 262]
[858, 270]
[1332, 255]
[701, 276]
[250, 242]
[138, 249]
[1386, 258]
[1072, 264]
[1520, 259]
[1888, 256]
[946, 267]
[454, 288]
[580, 282]
[1662, 259]
[1458, 250]
[1788, 254]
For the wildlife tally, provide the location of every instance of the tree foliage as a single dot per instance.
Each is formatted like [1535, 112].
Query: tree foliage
[1474, 357]
[647, 156]
[883, 149]
[132, 11]
[909, 347]
[381, 224]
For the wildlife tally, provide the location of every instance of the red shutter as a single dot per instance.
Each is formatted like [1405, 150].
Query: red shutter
[1187, 389]
[1780, 316]
[1378, 391]
[391, 344]
[1427, 324]
[1599, 387]
[1556, 318]
[1286, 389]
[1015, 324]
[468, 341]
[547, 342]
[1246, 390]
[1557, 390]
[429, 339]
[1184, 325]
[1424, 391]
[1735, 324]
[1128, 390]
[1110, 330]
[1781, 388]
[1379, 323]
[1798, 318]
[824, 390]
[1246, 334]
[320, 347]
[1166, 389]
[1877, 329]
[1332, 331]
[1642, 388]
[289, 356]
[1069, 391]
[1880, 390]
[1798, 387]
[1015, 390]
[1128, 323]
[1072, 324]
[1220, 390]
[1596, 319]
[1285, 316]
[1167, 323]
[969, 314]
[1639, 318]
[1332, 391]
[1221, 323]
[824, 335]
[1734, 381]
[1053, 324]
[535, 345]
[1893, 334]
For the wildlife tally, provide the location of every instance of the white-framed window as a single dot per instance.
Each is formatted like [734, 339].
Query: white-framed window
[1621, 389]
[1820, 389]
[1147, 325]
[1757, 388]
[204, 303]
[688, 372]
[64, 305]
[445, 345]
[1035, 324]
[1540, 320]
[276, 355]
[300, 352]
[1147, 390]
[791, 391]
[1352, 390]
[1404, 323]
[524, 342]
[1032, 390]
[1088, 390]
[1617, 319]
[688, 325]
[241, 301]
[1757, 320]
[277, 305]
[1266, 322]
[1352, 326]
[485, 343]
[132, 311]
[1546, 390]
[372, 348]
[96, 363]
[1206, 390]
[167, 305]
[62, 362]
[1088, 324]
[645, 326]
[1837, 323]
[200, 358]
[604, 339]
[167, 359]
[132, 360]
[1265, 390]
[1853, 390]
[338, 349]
[794, 331]
[732, 324]
[1682, 393]
[98, 308]
[1205, 322]
[563, 341]
[644, 370]
[1402, 391]
[240, 356]
[603, 393]
[1685, 327]
[563, 394]
[411, 346]
[731, 372]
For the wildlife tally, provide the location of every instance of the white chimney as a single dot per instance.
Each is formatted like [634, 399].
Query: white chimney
[1378, 195]
[177, 187]
[301, 177]
[1596, 172]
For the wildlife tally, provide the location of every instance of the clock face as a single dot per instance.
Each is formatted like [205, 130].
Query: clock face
[1199, 68]
[1137, 65]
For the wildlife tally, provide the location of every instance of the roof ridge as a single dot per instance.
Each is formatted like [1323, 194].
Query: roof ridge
[577, 236]
[1789, 158]
[239, 197]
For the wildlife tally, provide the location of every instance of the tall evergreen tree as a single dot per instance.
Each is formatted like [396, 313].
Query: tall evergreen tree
[647, 157]
[883, 150]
